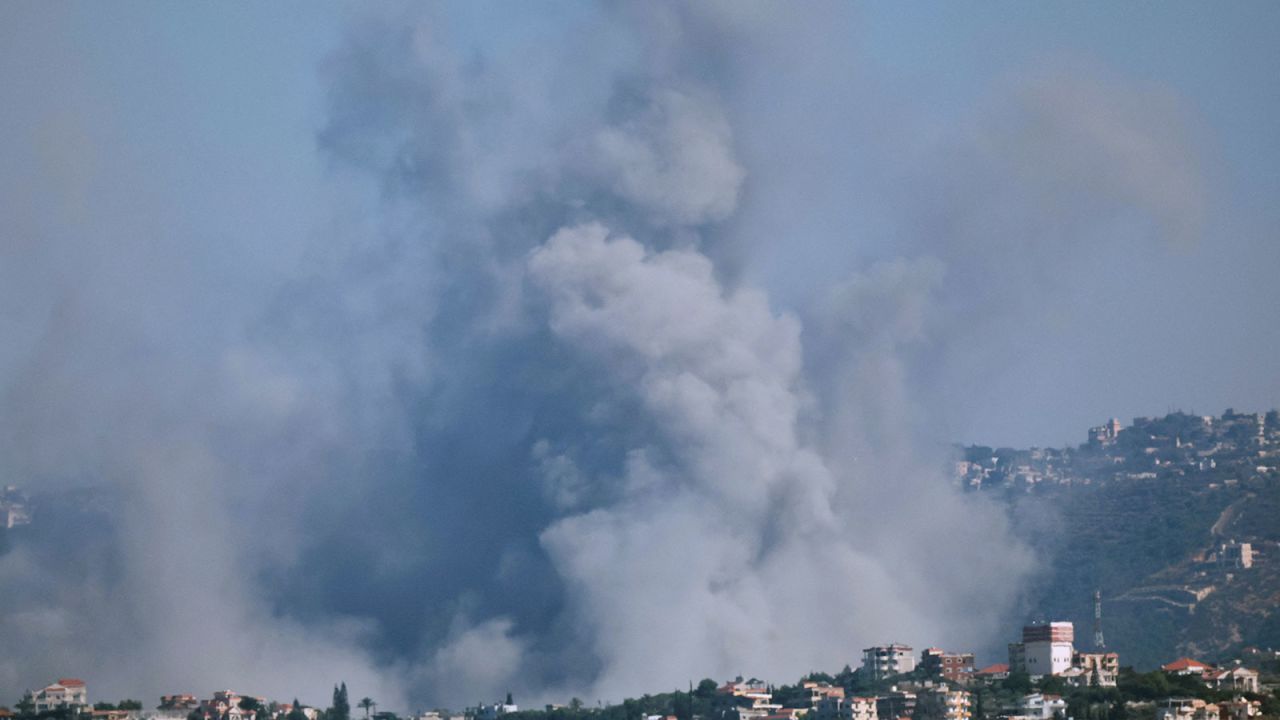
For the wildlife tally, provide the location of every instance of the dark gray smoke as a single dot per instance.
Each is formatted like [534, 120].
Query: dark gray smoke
[524, 418]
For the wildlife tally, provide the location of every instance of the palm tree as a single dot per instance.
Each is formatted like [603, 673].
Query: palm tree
[367, 703]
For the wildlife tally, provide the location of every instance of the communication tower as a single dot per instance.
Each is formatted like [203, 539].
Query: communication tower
[1097, 621]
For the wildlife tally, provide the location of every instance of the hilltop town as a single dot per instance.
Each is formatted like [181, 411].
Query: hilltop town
[1045, 678]
[1222, 451]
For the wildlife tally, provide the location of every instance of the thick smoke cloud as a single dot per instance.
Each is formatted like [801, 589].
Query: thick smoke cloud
[526, 423]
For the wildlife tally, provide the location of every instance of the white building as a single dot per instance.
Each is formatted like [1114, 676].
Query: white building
[1046, 649]
[66, 693]
[1042, 707]
[491, 711]
[888, 660]
[834, 707]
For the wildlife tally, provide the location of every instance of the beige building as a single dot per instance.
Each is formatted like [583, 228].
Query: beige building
[818, 691]
[885, 661]
[1239, 708]
[1187, 709]
[747, 699]
[1240, 679]
[1090, 668]
[942, 703]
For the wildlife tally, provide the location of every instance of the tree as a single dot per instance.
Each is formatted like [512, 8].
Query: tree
[341, 709]
[296, 713]
[509, 700]
[26, 707]
[367, 704]
[1052, 684]
[682, 704]
[128, 704]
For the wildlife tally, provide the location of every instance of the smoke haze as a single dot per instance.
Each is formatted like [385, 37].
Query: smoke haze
[614, 351]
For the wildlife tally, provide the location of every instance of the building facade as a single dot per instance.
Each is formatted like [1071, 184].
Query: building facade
[69, 693]
[942, 703]
[1046, 649]
[885, 661]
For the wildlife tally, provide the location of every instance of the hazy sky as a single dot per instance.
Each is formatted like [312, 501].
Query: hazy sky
[588, 349]
[212, 112]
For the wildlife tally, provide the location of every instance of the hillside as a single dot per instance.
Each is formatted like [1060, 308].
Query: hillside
[1150, 522]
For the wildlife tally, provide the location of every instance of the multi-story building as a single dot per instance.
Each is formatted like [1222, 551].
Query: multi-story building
[885, 661]
[896, 704]
[176, 707]
[1101, 669]
[745, 699]
[942, 703]
[1046, 649]
[1042, 707]
[69, 693]
[181, 701]
[818, 691]
[955, 667]
[842, 708]
[1105, 434]
[491, 711]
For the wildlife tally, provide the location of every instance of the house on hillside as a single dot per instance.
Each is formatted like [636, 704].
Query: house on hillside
[1240, 679]
[999, 671]
[68, 693]
[1185, 666]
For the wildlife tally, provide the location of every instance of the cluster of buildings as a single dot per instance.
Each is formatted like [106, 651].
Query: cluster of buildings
[1236, 445]
[935, 685]
[752, 700]
[1049, 649]
[1233, 679]
[72, 694]
[1196, 709]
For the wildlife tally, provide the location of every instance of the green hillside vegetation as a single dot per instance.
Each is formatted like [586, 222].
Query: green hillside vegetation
[1145, 544]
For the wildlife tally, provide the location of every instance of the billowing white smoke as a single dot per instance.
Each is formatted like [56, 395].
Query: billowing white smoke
[725, 549]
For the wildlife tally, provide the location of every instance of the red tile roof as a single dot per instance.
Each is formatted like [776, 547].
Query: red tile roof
[1184, 664]
[993, 669]
[70, 682]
